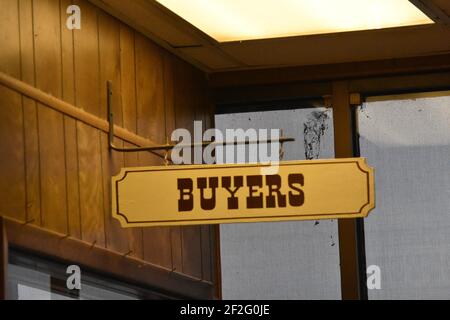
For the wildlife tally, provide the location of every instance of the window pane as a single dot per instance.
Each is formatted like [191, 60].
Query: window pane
[283, 260]
[407, 140]
[35, 278]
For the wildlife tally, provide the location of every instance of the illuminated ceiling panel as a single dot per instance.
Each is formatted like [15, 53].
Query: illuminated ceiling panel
[234, 20]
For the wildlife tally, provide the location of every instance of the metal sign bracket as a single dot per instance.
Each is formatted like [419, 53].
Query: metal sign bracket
[168, 146]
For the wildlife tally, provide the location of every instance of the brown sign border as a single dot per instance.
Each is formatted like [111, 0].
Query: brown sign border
[359, 162]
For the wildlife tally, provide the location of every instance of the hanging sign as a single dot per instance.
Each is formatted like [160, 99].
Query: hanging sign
[213, 194]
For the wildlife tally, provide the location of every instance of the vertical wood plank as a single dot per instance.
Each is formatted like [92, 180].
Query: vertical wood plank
[129, 112]
[150, 90]
[116, 237]
[157, 246]
[128, 76]
[89, 147]
[216, 265]
[26, 41]
[206, 230]
[135, 235]
[151, 124]
[70, 125]
[206, 252]
[31, 137]
[109, 53]
[211, 237]
[9, 38]
[175, 232]
[112, 161]
[87, 82]
[50, 123]
[91, 186]
[185, 108]
[203, 112]
[3, 259]
[192, 253]
[214, 230]
[12, 170]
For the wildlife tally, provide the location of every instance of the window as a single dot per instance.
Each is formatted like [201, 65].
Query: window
[283, 260]
[406, 139]
[31, 277]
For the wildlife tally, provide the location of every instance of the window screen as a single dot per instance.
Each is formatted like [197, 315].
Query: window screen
[407, 140]
[283, 260]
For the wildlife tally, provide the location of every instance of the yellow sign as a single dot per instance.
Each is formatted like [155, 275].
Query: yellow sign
[212, 194]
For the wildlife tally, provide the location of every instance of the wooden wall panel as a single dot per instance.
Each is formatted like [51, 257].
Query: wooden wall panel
[109, 53]
[47, 35]
[30, 118]
[150, 89]
[91, 185]
[128, 77]
[204, 112]
[12, 183]
[175, 232]
[56, 170]
[70, 126]
[12, 170]
[151, 124]
[88, 90]
[185, 106]
[87, 83]
[129, 112]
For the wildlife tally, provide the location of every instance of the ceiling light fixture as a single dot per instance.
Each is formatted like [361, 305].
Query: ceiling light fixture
[237, 20]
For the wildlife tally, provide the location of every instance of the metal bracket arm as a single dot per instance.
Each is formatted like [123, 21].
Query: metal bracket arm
[169, 146]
